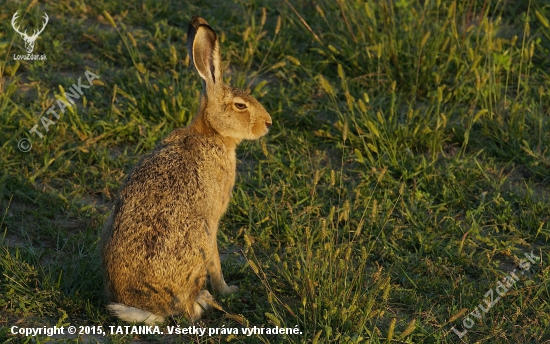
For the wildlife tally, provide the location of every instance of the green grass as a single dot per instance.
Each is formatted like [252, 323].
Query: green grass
[406, 172]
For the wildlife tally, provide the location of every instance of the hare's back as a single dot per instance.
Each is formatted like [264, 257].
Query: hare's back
[176, 188]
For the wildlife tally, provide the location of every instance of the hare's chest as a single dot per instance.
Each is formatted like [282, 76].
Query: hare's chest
[228, 183]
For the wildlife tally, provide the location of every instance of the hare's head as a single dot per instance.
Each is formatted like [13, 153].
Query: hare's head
[230, 112]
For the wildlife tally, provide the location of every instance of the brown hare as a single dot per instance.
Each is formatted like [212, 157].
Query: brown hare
[159, 242]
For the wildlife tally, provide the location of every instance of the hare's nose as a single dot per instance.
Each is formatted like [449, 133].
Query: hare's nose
[267, 124]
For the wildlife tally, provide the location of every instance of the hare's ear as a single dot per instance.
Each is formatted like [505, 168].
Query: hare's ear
[196, 21]
[204, 51]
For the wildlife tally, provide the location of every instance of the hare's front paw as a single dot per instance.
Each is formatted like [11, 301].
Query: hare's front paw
[229, 289]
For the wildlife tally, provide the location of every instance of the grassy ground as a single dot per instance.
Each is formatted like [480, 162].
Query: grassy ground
[405, 175]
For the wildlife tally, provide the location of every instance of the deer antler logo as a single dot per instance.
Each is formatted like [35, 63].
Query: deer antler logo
[29, 40]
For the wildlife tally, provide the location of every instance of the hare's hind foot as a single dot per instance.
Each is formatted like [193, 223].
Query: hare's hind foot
[229, 289]
[201, 304]
[132, 314]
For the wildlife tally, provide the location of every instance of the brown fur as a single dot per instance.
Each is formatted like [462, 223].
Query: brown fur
[160, 241]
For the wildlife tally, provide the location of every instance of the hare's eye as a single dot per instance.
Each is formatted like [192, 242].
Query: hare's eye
[240, 106]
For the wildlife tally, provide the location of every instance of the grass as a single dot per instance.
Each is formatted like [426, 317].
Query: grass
[405, 175]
